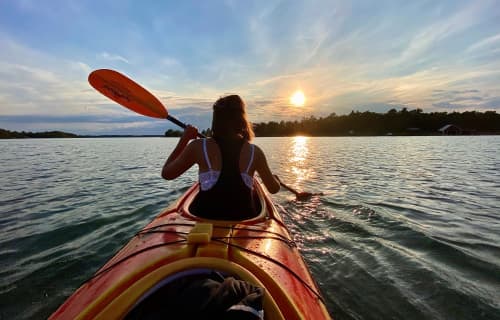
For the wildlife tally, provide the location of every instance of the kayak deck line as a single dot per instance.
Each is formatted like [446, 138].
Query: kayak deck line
[197, 237]
[278, 237]
[259, 250]
[318, 295]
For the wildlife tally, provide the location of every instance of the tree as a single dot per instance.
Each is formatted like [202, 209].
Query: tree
[371, 123]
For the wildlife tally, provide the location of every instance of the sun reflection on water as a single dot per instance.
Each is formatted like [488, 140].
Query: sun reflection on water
[299, 163]
[299, 149]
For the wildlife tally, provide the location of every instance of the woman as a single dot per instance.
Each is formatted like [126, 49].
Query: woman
[227, 163]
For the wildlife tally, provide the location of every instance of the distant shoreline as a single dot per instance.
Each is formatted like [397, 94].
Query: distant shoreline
[356, 124]
[5, 134]
[74, 136]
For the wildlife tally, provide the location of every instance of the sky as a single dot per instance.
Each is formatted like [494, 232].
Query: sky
[344, 55]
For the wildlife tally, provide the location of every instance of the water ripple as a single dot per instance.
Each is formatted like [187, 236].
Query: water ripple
[407, 227]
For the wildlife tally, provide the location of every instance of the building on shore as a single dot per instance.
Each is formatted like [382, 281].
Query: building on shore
[451, 129]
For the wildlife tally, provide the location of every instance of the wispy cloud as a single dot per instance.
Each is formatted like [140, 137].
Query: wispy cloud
[112, 57]
[492, 42]
[430, 37]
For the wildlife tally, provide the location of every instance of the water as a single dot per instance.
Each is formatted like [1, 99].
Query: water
[407, 228]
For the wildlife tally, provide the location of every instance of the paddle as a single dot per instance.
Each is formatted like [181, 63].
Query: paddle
[298, 195]
[130, 94]
[133, 96]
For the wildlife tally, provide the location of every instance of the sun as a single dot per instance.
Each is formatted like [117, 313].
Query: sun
[298, 98]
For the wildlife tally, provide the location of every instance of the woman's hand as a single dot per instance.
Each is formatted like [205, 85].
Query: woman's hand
[190, 133]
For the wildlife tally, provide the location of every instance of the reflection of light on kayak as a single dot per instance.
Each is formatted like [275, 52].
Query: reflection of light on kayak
[267, 246]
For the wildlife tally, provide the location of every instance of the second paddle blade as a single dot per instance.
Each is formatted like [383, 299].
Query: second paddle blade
[127, 92]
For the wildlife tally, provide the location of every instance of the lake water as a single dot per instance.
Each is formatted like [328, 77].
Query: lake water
[407, 228]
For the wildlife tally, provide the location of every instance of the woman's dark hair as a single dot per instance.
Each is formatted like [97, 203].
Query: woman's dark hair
[230, 118]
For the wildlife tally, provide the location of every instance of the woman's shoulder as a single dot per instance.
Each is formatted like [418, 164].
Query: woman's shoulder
[208, 142]
[195, 149]
[195, 146]
[195, 143]
[199, 142]
[254, 145]
[257, 150]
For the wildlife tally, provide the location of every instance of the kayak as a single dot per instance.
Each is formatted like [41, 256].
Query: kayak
[178, 245]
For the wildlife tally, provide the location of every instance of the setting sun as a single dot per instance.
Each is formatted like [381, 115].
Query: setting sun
[298, 98]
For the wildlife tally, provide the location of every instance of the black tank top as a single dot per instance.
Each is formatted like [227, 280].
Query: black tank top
[229, 198]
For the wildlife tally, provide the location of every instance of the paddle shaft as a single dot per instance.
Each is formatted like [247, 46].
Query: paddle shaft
[300, 195]
[289, 188]
[182, 124]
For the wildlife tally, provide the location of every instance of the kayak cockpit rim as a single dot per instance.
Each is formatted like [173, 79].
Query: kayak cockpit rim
[184, 275]
[266, 207]
[108, 307]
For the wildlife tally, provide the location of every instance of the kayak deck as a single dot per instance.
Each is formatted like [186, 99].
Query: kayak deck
[259, 250]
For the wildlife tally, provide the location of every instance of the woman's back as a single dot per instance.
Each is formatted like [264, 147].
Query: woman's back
[226, 180]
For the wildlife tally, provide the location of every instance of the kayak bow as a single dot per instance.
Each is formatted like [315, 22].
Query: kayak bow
[259, 251]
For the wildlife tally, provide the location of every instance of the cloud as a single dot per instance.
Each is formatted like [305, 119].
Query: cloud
[435, 34]
[31, 81]
[112, 57]
[28, 89]
[82, 66]
[449, 95]
[491, 103]
[486, 43]
[450, 105]
[79, 124]
[462, 100]
[105, 119]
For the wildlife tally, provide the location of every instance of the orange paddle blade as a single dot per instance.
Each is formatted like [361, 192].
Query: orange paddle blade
[127, 92]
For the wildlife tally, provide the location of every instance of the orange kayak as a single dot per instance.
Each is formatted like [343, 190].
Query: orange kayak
[176, 243]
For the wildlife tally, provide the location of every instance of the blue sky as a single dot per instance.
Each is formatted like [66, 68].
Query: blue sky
[344, 55]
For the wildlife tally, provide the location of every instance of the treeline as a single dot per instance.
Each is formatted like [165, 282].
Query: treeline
[178, 133]
[6, 134]
[402, 122]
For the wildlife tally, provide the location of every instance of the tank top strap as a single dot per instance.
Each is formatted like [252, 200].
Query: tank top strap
[205, 153]
[252, 147]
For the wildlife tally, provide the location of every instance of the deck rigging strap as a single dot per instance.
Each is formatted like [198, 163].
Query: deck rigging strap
[217, 239]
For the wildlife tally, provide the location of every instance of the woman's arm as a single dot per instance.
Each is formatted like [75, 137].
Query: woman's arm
[182, 157]
[271, 183]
